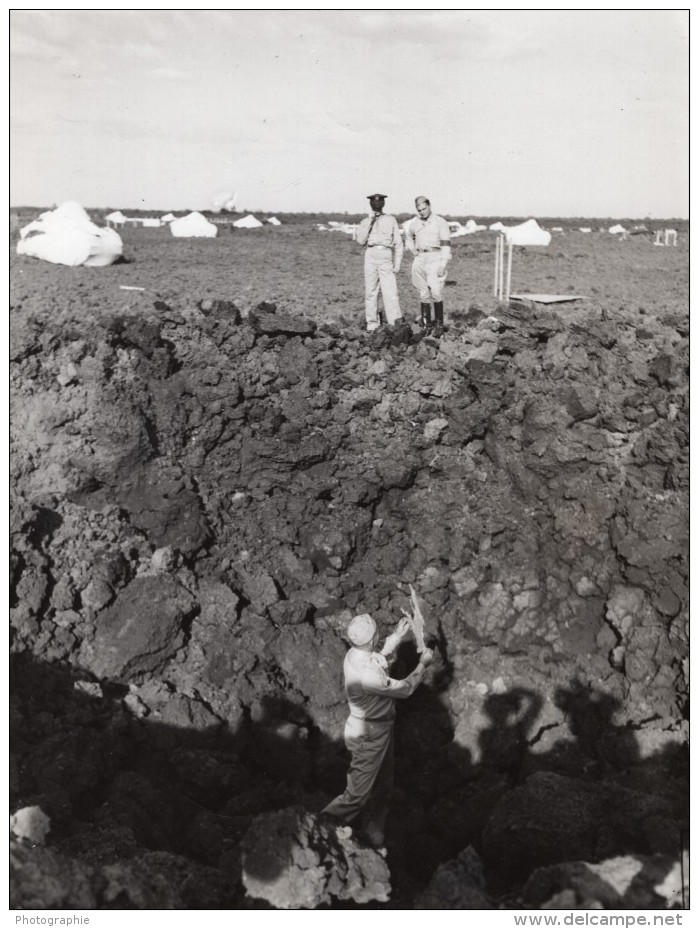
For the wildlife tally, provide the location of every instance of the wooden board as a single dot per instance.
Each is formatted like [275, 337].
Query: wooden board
[547, 298]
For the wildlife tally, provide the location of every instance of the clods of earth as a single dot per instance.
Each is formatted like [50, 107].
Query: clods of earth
[212, 474]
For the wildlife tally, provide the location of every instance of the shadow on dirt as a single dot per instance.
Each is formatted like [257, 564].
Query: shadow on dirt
[117, 781]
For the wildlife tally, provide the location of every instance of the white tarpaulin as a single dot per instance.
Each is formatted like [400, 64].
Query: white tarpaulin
[194, 225]
[167, 218]
[247, 222]
[117, 217]
[529, 233]
[497, 227]
[273, 221]
[67, 236]
[616, 230]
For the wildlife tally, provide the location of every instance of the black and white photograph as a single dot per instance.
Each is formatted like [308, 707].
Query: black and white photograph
[348, 465]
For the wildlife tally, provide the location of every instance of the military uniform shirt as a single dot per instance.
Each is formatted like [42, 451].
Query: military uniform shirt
[385, 232]
[432, 232]
[371, 692]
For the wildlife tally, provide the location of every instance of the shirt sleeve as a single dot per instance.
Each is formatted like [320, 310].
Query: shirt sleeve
[397, 243]
[444, 232]
[376, 681]
[410, 236]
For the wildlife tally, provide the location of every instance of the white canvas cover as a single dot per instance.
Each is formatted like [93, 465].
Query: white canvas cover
[116, 217]
[194, 225]
[615, 230]
[151, 222]
[497, 227]
[167, 218]
[528, 233]
[247, 222]
[68, 236]
[273, 221]
[472, 226]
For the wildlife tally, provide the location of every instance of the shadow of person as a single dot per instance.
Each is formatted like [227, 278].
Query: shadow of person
[505, 744]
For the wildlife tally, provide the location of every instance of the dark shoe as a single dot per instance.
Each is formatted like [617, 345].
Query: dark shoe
[438, 331]
[425, 317]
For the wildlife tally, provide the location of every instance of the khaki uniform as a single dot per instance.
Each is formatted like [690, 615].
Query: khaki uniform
[382, 258]
[429, 239]
[371, 695]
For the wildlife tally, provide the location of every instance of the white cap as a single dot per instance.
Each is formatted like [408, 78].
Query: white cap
[361, 630]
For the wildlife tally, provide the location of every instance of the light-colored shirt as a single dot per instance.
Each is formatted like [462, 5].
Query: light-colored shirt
[371, 692]
[432, 232]
[384, 231]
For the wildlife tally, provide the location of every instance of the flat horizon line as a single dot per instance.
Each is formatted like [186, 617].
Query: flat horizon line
[494, 217]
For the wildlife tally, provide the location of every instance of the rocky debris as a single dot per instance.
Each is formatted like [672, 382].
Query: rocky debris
[41, 879]
[141, 630]
[294, 860]
[625, 883]
[30, 823]
[457, 885]
[551, 818]
[271, 323]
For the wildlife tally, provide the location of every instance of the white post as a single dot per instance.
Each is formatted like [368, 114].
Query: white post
[658, 234]
[509, 273]
[501, 288]
[497, 265]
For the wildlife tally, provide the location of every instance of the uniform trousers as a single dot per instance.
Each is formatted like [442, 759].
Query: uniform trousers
[370, 777]
[425, 278]
[379, 275]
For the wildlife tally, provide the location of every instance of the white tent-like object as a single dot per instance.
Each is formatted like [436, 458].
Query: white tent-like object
[67, 236]
[273, 221]
[472, 226]
[116, 218]
[151, 222]
[247, 222]
[529, 233]
[617, 230]
[167, 218]
[497, 227]
[192, 226]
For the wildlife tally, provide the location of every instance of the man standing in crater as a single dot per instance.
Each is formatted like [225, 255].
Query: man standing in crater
[382, 258]
[371, 695]
[428, 238]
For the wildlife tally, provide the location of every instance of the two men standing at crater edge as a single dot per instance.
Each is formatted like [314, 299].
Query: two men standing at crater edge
[427, 237]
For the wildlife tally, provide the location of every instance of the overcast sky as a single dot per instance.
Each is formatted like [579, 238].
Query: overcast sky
[520, 113]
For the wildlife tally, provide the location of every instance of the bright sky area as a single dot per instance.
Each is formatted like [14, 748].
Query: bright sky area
[517, 113]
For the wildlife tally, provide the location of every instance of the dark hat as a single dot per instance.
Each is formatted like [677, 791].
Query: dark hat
[376, 197]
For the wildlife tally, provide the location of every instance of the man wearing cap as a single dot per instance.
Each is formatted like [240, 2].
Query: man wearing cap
[383, 254]
[371, 695]
[428, 237]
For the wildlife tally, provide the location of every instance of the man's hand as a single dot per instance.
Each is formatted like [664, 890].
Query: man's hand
[403, 628]
[427, 657]
[396, 269]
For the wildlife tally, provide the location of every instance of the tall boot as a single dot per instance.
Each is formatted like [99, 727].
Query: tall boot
[426, 317]
[438, 318]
